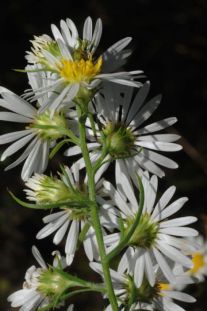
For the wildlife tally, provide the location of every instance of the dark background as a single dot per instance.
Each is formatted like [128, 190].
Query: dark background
[170, 45]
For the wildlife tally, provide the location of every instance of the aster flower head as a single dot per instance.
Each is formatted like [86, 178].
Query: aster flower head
[69, 221]
[74, 65]
[41, 284]
[156, 238]
[40, 129]
[146, 297]
[199, 258]
[133, 147]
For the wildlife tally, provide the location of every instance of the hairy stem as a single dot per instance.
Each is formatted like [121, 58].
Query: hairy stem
[94, 210]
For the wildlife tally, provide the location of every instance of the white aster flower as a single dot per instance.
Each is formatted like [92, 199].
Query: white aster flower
[147, 297]
[31, 297]
[70, 221]
[199, 258]
[71, 59]
[37, 139]
[157, 239]
[131, 145]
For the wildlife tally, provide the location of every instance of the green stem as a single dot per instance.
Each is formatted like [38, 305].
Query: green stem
[94, 211]
[99, 162]
[124, 241]
[93, 127]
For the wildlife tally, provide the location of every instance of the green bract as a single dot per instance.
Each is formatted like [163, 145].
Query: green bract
[119, 140]
[50, 128]
[145, 234]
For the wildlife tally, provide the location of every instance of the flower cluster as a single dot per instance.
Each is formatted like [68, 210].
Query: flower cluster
[86, 101]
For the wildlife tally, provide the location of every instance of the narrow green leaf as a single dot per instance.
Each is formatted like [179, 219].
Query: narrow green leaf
[57, 147]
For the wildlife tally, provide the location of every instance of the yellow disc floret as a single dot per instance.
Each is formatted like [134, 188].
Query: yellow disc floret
[198, 262]
[164, 286]
[79, 70]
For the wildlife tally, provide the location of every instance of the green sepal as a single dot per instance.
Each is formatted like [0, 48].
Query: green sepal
[30, 70]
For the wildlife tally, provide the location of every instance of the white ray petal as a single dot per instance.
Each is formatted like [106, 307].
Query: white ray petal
[16, 146]
[53, 217]
[10, 137]
[139, 269]
[17, 104]
[71, 242]
[52, 227]
[148, 165]
[157, 126]
[14, 117]
[149, 269]
[159, 159]
[164, 266]
[96, 36]
[180, 231]
[24, 155]
[87, 29]
[119, 45]
[159, 145]
[160, 137]
[146, 111]
[179, 296]
[164, 200]
[38, 257]
[174, 254]
[61, 232]
[30, 163]
[181, 221]
[138, 102]
[123, 182]
[170, 210]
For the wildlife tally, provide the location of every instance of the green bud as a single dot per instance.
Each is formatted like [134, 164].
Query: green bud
[53, 282]
[46, 189]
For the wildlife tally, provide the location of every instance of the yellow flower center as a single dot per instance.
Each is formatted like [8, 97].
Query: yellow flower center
[79, 70]
[198, 262]
[163, 287]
